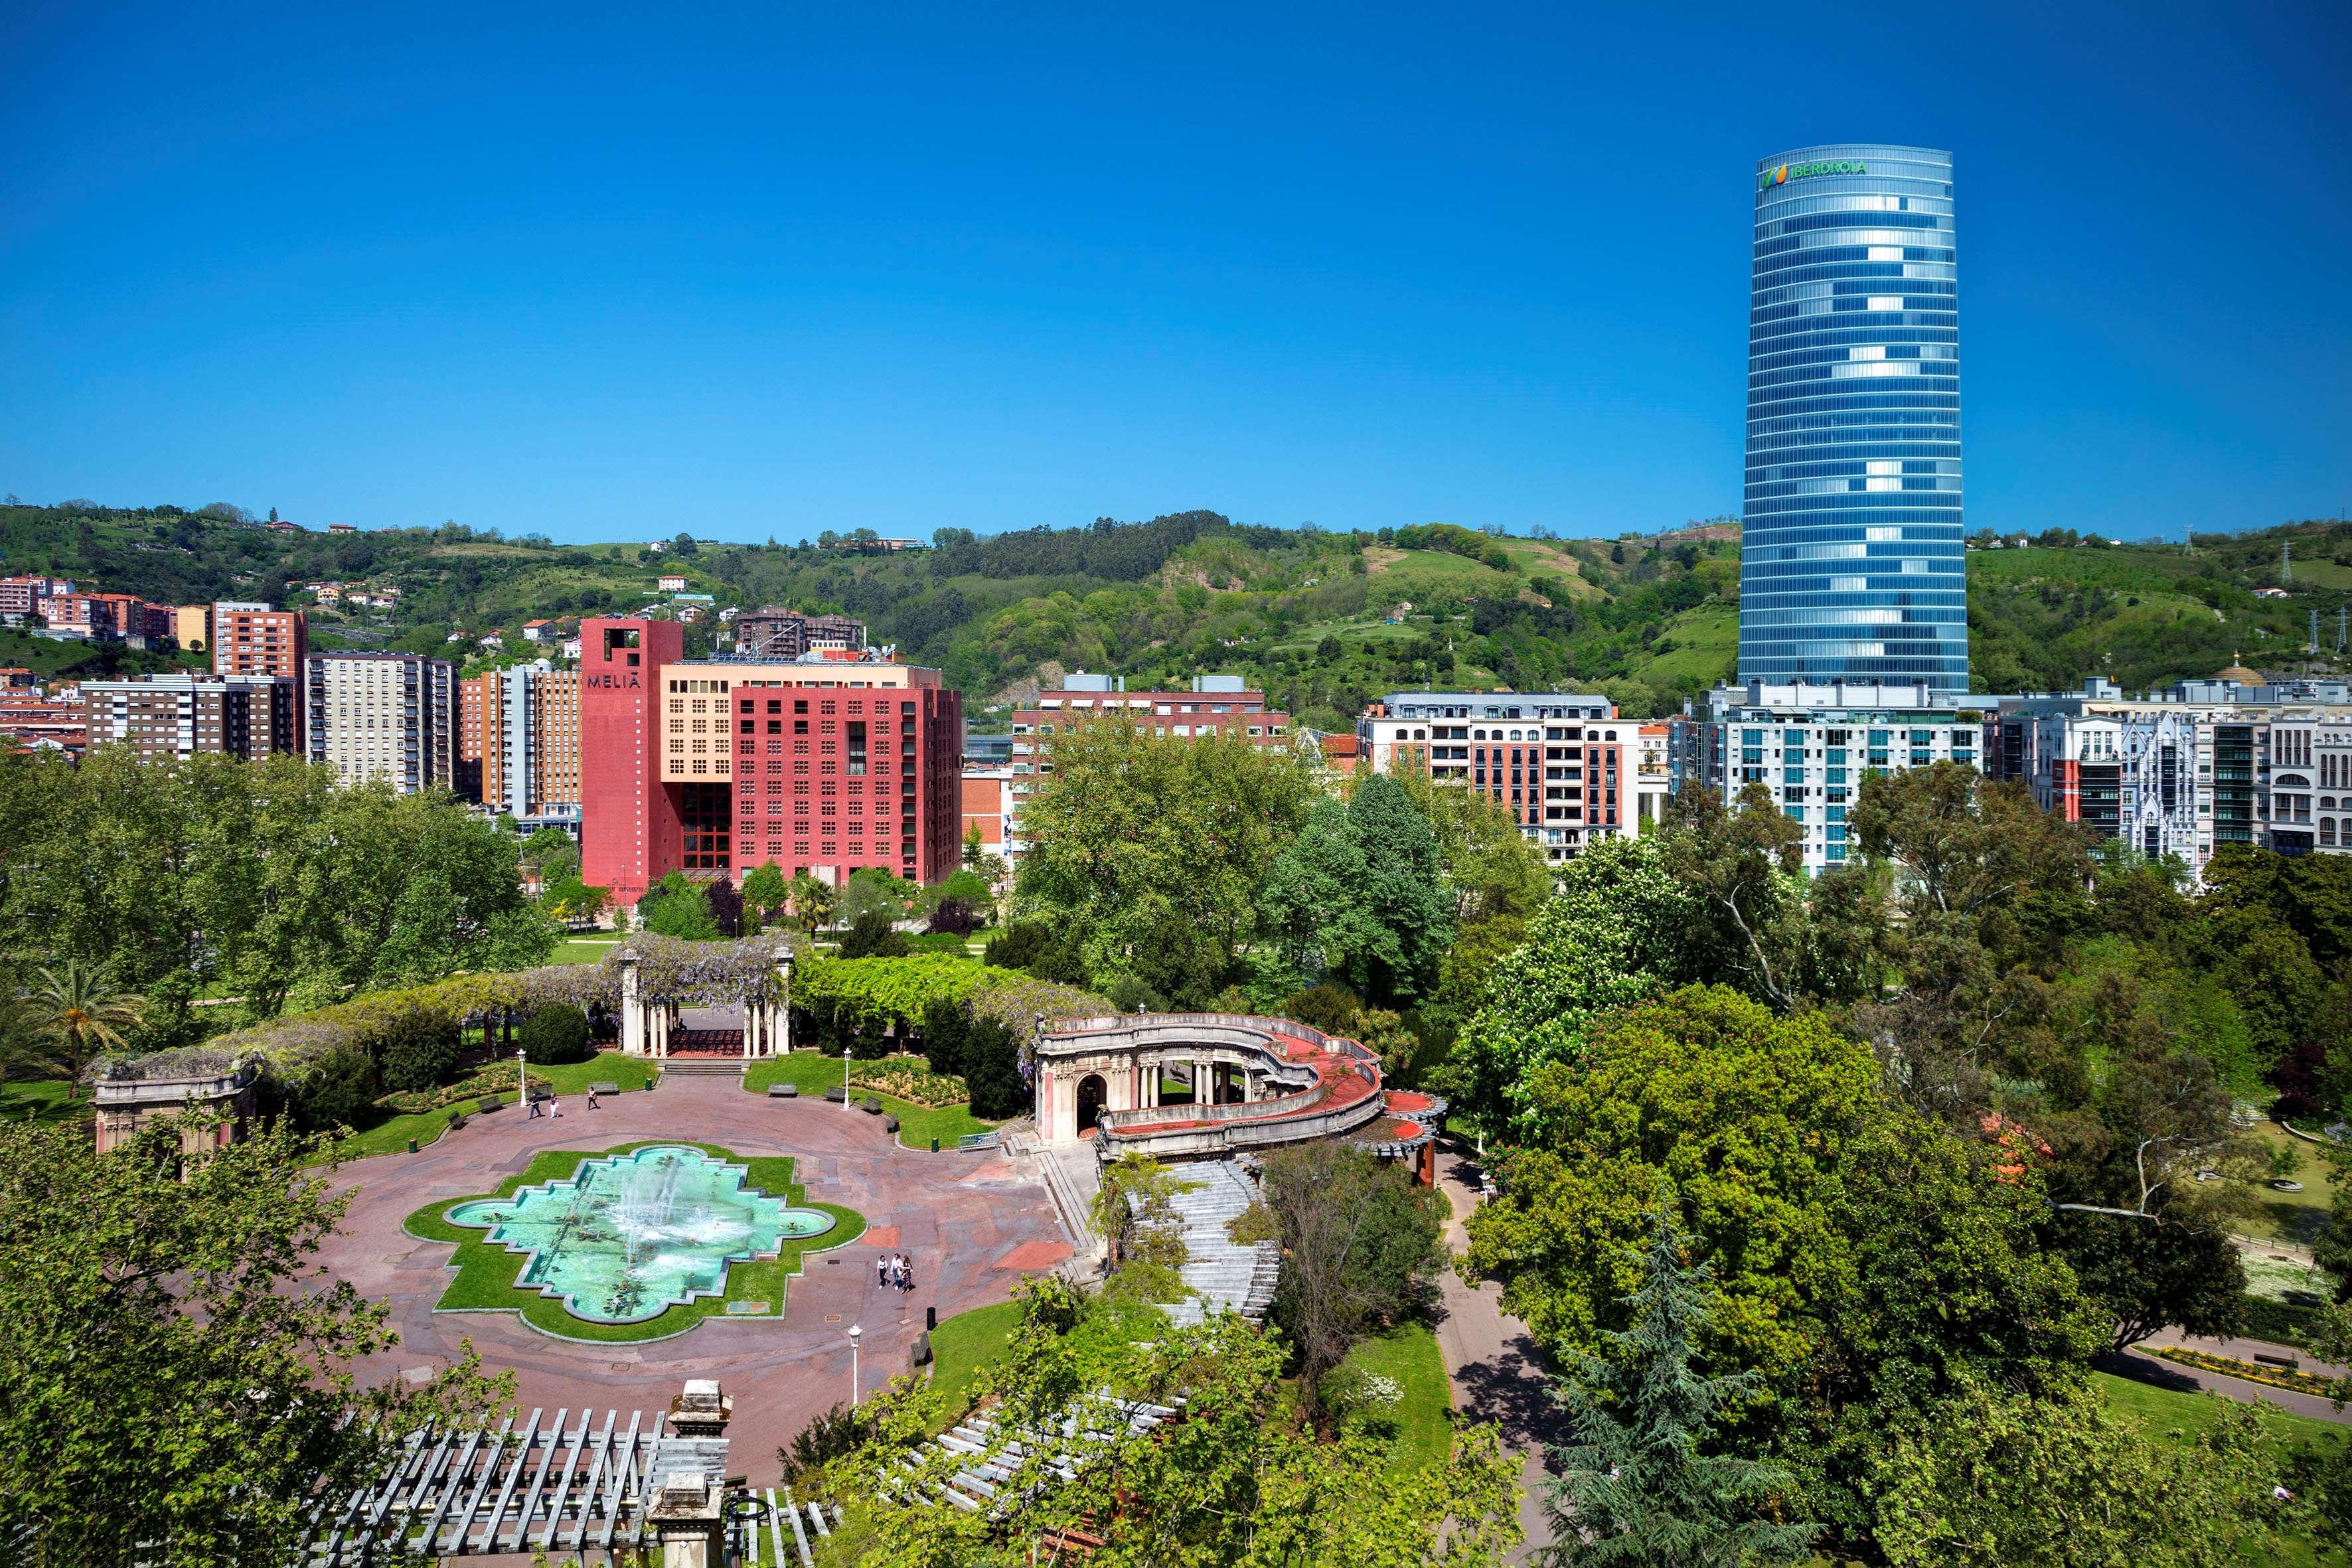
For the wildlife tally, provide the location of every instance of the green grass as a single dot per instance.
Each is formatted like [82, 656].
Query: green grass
[918, 1125]
[583, 950]
[632, 1073]
[44, 1101]
[486, 1274]
[2172, 1416]
[2298, 1217]
[1424, 1417]
[962, 1344]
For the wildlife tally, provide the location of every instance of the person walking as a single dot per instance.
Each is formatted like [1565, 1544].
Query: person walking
[531, 1109]
[881, 1269]
[592, 1097]
[555, 1107]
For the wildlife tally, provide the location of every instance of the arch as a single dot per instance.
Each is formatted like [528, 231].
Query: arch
[2289, 781]
[1092, 1092]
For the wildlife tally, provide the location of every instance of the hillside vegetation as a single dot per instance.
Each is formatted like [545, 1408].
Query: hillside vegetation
[1324, 621]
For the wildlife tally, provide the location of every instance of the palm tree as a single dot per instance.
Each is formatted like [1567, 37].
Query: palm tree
[81, 1014]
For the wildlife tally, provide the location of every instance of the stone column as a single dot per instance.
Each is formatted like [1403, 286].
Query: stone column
[633, 1011]
[780, 1010]
[683, 1515]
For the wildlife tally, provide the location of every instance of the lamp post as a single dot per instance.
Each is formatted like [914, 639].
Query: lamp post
[854, 1332]
[522, 1081]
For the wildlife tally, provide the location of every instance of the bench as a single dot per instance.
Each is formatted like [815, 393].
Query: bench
[490, 1103]
[871, 1106]
[890, 1125]
[835, 1095]
[605, 1088]
[456, 1119]
[783, 1091]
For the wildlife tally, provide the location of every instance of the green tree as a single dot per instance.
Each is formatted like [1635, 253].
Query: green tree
[81, 1014]
[675, 907]
[1746, 868]
[417, 1049]
[1635, 1488]
[1994, 1479]
[229, 1403]
[766, 891]
[1613, 935]
[2155, 1273]
[1234, 1484]
[812, 901]
[1360, 1244]
[555, 1035]
[1129, 827]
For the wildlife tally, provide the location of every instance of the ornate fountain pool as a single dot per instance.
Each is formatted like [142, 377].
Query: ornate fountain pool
[628, 1235]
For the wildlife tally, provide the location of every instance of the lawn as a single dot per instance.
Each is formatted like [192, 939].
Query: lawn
[394, 1131]
[918, 1125]
[583, 949]
[485, 1273]
[964, 1344]
[43, 1100]
[2298, 1217]
[1424, 1417]
[2182, 1417]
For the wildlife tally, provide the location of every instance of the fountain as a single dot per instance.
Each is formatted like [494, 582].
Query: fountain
[631, 1235]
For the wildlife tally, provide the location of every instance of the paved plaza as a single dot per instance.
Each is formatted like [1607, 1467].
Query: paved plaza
[972, 1224]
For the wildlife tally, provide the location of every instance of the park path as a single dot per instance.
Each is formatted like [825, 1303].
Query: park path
[1492, 1364]
[972, 1224]
[2138, 1365]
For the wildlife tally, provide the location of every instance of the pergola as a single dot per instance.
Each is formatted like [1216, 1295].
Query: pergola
[575, 1484]
[652, 992]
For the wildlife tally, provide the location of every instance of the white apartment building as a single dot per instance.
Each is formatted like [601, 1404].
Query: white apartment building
[2188, 770]
[385, 716]
[1810, 746]
[1561, 762]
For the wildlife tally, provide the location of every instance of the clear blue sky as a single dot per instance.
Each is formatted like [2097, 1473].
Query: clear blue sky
[613, 273]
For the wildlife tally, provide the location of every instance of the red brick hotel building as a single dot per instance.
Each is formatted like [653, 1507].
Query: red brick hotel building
[827, 764]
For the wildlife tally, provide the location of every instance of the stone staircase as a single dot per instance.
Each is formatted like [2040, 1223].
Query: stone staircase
[1226, 1273]
[702, 1067]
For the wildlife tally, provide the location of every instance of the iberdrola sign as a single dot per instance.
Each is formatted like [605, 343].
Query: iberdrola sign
[1787, 172]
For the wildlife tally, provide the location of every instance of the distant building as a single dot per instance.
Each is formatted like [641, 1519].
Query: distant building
[191, 627]
[538, 631]
[249, 638]
[671, 584]
[245, 716]
[519, 744]
[2189, 770]
[36, 720]
[1557, 761]
[385, 716]
[1654, 780]
[1340, 754]
[343, 528]
[774, 632]
[24, 597]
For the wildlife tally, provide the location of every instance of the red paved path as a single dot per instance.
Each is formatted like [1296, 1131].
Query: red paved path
[958, 1216]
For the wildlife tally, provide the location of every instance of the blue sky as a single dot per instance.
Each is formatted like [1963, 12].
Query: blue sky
[609, 273]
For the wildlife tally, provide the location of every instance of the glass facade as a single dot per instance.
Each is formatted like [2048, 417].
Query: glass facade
[1852, 565]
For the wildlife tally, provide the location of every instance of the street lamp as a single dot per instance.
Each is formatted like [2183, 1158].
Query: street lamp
[522, 1080]
[854, 1332]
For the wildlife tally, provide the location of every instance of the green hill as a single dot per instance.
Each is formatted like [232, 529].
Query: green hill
[1324, 621]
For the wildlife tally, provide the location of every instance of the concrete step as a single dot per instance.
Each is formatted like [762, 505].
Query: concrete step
[702, 1067]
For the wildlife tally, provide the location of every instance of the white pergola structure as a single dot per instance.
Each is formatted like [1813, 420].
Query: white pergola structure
[649, 1021]
[1252, 1081]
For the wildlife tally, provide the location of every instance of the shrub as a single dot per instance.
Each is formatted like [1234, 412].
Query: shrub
[871, 935]
[335, 1092]
[1018, 945]
[835, 1435]
[953, 917]
[992, 1070]
[554, 1035]
[416, 1050]
[1330, 1008]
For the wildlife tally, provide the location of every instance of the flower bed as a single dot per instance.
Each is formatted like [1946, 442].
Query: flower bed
[495, 1080]
[2273, 1376]
[909, 1078]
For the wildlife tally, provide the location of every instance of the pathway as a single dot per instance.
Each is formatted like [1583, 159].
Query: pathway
[971, 1223]
[1492, 1364]
[2140, 1366]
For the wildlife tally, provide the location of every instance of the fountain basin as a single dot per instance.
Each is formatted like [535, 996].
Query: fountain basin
[628, 1235]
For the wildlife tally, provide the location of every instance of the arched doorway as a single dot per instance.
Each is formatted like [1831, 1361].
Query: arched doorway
[1091, 1102]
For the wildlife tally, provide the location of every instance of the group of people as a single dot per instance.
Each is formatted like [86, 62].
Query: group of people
[894, 1268]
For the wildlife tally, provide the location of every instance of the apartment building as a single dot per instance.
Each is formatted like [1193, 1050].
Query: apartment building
[774, 632]
[1562, 763]
[1810, 745]
[22, 597]
[383, 716]
[2187, 769]
[827, 764]
[250, 638]
[519, 744]
[36, 720]
[245, 716]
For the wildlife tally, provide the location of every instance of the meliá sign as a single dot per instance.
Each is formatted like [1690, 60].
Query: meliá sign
[1787, 172]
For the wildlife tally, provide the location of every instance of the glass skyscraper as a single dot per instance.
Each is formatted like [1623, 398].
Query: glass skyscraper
[1852, 566]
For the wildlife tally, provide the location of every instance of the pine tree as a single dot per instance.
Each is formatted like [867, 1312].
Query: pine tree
[1635, 1490]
